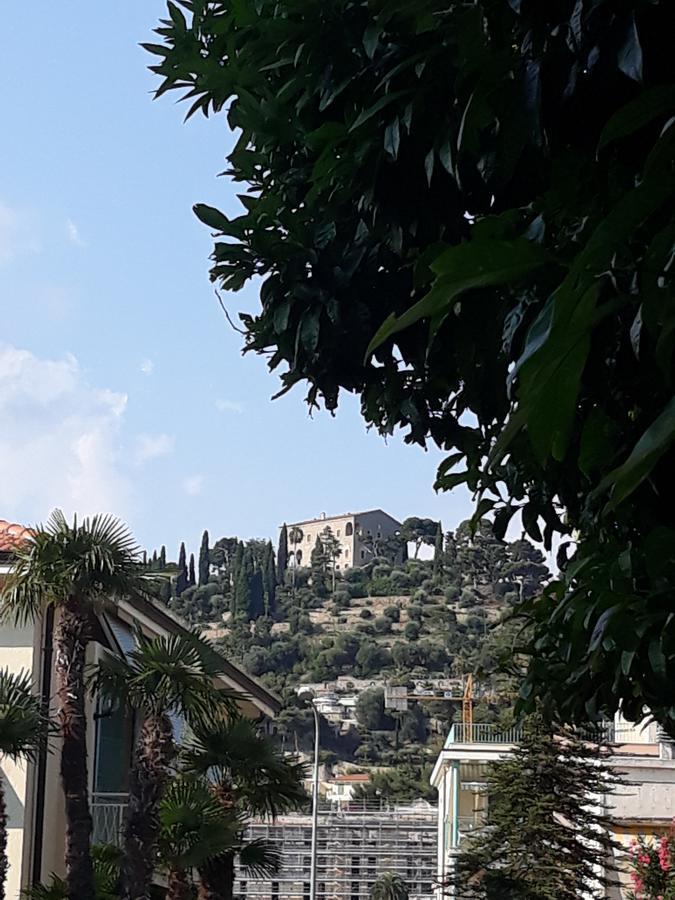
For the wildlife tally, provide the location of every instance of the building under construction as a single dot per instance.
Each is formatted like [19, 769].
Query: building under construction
[356, 842]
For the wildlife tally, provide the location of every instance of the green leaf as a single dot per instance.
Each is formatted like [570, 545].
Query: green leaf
[429, 165]
[471, 264]
[211, 217]
[627, 657]
[374, 109]
[371, 36]
[651, 104]
[392, 138]
[656, 440]
[657, 658]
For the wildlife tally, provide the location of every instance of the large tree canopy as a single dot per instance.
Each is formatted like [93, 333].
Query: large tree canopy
[462, 212]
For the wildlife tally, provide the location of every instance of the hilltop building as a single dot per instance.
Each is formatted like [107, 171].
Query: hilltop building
[36, 823]
[358, 534]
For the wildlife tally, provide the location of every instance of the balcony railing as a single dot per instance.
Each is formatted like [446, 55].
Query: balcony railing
[107, 812]
[480, 733]
[605, 732]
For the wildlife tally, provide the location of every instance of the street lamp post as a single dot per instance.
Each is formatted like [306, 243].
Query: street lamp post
[315, 800]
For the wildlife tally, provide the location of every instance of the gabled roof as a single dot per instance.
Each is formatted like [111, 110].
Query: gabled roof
[12, 535]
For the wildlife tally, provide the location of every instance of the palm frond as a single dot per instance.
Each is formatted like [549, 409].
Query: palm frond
[96, 560]
[106, 860]
[23, 726]
[232, 751]
[193, 826]
[260, 858]
[170, 674]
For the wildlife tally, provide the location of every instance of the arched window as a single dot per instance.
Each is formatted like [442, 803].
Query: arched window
[349, 530]
[298, 557]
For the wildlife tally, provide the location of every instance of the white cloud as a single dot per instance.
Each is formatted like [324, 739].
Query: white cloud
[151, 446]
[59, 440]
[147, 366]
[193, 485]
[16, 234]
[224, 406]
[74, 233]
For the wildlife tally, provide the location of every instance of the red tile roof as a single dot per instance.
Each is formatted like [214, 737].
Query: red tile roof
[11, 535]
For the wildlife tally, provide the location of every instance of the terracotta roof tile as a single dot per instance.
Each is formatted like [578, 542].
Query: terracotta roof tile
[11, 535]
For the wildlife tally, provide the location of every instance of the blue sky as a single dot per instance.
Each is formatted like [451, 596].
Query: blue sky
[122, 388]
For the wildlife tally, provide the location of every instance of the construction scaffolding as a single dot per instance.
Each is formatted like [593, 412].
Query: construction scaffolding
[357, 842]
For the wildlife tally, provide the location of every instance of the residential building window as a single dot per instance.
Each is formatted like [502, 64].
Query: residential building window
[298, 556]
[337, 533]
[346, 551]
[309, 538]
[363, 554]
[305, 890]
[349, 530]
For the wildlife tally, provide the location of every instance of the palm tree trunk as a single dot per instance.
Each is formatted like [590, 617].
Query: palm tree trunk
[4, 865]
[216, 878]
[178, 886]
[147, 781]
[70, 638]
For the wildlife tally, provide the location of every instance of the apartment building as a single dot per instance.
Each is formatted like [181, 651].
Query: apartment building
[645, 804]
[357, 842]
[358, 534]
[36, 817]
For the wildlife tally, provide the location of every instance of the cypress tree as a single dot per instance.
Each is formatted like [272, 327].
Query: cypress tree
[256, 595]
[282, 554]
[438, 552]
[319, 565]
[270, 579]
[241, 595]
[546, 839]
[145, 557]
[162, 558]
[191, 571]
[182, 576]
[204, 568]
[153, 564]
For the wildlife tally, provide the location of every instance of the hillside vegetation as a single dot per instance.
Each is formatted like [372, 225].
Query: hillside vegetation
[407, 621]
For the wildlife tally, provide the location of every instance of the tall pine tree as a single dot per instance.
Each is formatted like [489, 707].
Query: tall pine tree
[182, 576]
[204, 567]
[545, 837]
[256, 595]
[282, 554]
[162, 558]
[191, 571]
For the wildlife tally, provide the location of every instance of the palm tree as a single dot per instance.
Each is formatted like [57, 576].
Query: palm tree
[162, 677]
[389, 886]
[248, 776]
[71, 569]
[23, 729]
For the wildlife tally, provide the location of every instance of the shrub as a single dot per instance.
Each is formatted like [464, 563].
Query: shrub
[420, 596]
[342, 599]
[382, 625]
[365, 614]
[415, 612]
[411, 631]
[451, 593]
[393, 613]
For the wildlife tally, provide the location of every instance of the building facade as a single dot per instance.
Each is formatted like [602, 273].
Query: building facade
[35, 806]
[645, 804]
[356, 843]
[358, 534]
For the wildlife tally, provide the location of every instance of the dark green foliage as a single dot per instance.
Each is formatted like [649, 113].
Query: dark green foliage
[533, 339]
[204, 559]
[269, 579]
[182, 576]
[439, 552]
[162, 558]
[419, 531]
[282, 554]
[545, 839]
[191, 571]
[370, 711]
